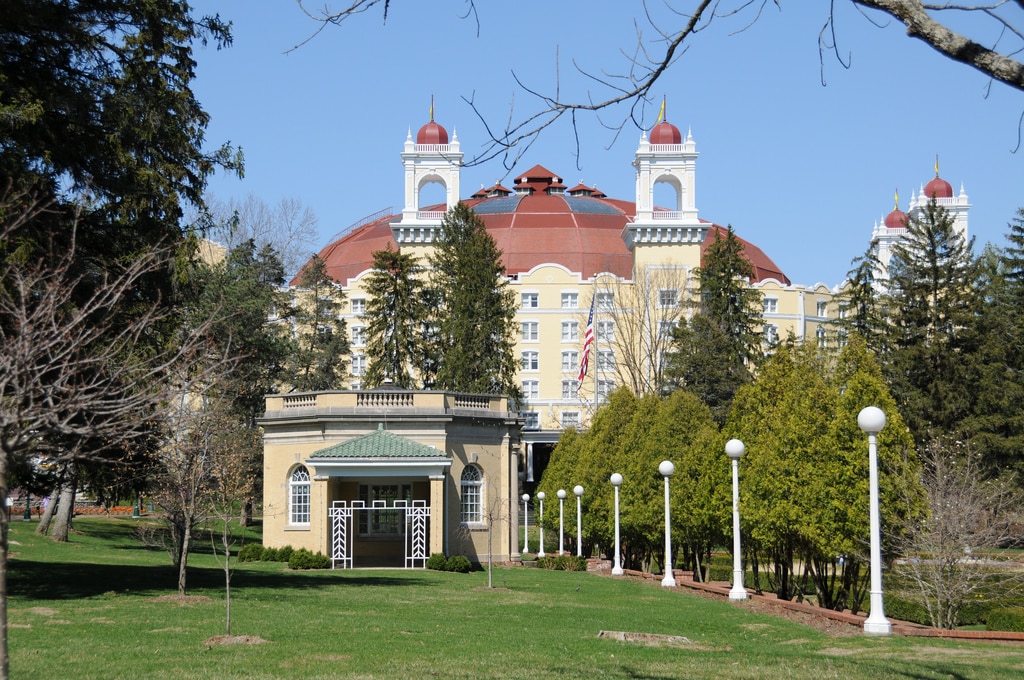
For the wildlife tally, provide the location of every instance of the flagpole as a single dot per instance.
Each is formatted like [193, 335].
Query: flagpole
[597, 365]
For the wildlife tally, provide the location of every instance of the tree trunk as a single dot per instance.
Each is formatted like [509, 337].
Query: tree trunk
[226, 542]
[65, 507]
[49, 506]
[186, 538]
[5, 662]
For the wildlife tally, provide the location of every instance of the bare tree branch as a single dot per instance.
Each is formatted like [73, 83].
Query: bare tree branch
[652, 56]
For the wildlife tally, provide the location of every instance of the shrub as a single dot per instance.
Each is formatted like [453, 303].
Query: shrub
[285, 554]
[459, 563]
[304, 559]
[563, 563]
[906, 609]
[1006, 619]
[270, 555]
[250, 552]
[437, 562]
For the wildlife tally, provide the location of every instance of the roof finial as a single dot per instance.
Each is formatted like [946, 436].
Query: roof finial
[661, 114]
[897, 199]
[936, 165]
[432, 110]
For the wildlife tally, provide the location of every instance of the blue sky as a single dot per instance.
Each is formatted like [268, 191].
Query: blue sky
[800, 169]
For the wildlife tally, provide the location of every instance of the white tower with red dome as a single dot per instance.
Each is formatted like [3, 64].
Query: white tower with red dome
[428, 159]
[885, 234]
[664, 157]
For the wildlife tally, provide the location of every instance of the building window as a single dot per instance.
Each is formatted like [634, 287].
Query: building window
[570, 331]
[532, 420]
[358, 365]
[298, 496]
[358, 336]
[771, 305]
[605, 331]
[529, 301]
[668, 298]
[570, 419]
[820, 333]
[666, 328]
[606, 360]
[570, 300]
[359, 306]
[605, 300]
[529, 330]
[823, 308]
[355, 385]
[570, 388]
[385, 521]
[771, 333]
[472, 495]
[531, 361]
[570, 360]
[604, 388]
[531, 389]
[842, 311]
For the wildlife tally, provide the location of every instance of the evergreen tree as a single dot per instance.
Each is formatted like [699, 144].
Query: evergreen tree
[995, 428]
[726, 297]
[395, 315]
[931, 337]
[706, 364]
[242, 293]
[859, 302]
[476, 323]
[322, 343]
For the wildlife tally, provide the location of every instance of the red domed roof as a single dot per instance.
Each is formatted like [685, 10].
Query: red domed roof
[897, 219]
[432, 133]
[938, 188]
[666, 133]
[533, 227]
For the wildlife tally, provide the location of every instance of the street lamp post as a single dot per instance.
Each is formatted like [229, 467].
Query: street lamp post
[616, 480]
[871, 420]
[734, 448]
[666, 469]
[561, 517]
[578, 490]
[541, 496]
[526, 525]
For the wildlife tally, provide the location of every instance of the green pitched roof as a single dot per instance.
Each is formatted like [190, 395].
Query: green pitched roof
[379, 444]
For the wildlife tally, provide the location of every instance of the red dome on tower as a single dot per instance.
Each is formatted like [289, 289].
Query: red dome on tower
[938, 188]
[897, 219]
[432, 133]
[666, 133]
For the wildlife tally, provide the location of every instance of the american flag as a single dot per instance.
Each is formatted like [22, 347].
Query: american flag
[588, 340]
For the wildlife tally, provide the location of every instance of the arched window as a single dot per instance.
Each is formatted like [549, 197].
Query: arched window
[298, 496]
[472, 495]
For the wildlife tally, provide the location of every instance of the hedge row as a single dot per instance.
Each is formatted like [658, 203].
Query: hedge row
[296, 559]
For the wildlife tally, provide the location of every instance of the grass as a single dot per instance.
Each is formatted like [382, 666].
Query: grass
[92, 608]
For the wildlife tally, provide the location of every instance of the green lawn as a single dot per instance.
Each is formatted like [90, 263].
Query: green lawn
[93, 609]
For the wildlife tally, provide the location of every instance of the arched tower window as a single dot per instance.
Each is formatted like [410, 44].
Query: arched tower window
[298, 496]
[472, 495]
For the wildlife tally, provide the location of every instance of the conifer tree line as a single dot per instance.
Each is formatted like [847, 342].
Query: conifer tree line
[934, 340]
